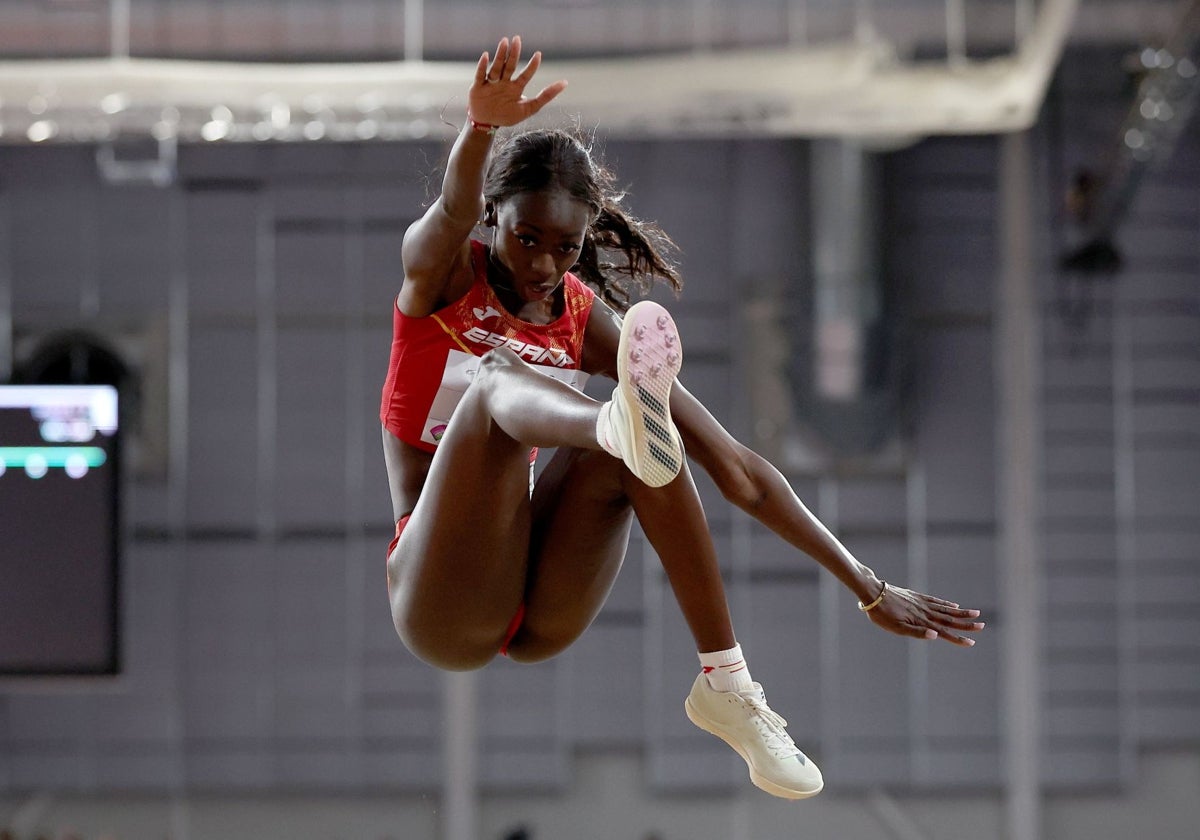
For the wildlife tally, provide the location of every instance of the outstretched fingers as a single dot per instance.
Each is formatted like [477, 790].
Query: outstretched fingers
[941, 602]
[496, 70]
[507, 54]
[949, 621]
[949, 610]
[511, 59]
[923, 616]
[545, 95]
[481, 68]
[497, 97]
[530, 68]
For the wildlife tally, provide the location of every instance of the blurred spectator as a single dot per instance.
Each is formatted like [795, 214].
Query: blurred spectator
[1081, 196]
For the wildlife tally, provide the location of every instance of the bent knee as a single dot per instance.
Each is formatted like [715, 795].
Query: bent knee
[443, 650]
[529, 646]
[444, 644]
[496, 361]
[496, 369]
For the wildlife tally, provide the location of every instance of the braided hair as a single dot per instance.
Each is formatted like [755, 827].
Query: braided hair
[619, 253]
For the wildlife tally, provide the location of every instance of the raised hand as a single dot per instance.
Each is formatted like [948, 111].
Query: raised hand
[921, 616]
[497, 96]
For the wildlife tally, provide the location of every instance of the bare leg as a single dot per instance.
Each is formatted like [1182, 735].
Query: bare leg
[581, 524]
[458, 573]
[584, 505]
[476, 547]
[674, 522]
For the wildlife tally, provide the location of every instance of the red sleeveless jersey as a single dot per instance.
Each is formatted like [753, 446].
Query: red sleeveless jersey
[434, 358]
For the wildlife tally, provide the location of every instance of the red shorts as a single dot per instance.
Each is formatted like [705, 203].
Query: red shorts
[400, 523]
[513, 626]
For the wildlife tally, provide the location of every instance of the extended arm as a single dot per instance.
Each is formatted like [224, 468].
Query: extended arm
[752, 483]
[435, 251]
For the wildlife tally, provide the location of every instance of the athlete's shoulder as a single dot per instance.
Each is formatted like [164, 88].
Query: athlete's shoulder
[417, 300]
[575, 286]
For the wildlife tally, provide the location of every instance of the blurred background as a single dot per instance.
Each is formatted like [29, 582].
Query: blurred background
[942, 265]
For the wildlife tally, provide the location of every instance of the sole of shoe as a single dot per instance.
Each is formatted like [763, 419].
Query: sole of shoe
[648, 359]
[760, 782]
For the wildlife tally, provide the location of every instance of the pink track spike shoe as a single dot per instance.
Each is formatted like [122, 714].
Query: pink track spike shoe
[636, 424]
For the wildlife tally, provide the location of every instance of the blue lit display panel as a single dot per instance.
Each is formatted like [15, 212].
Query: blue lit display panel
[59, 530]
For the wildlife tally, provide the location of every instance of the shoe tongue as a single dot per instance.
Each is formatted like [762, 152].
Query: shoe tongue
[754, 692]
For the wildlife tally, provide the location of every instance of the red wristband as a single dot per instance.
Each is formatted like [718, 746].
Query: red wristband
[486, 128]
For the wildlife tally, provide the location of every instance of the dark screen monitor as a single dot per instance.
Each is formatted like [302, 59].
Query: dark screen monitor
[59, 530]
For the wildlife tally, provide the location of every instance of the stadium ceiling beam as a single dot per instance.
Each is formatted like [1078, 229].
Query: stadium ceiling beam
[859, 90]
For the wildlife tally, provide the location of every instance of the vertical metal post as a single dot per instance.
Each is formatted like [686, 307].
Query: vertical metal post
[1017, 359]
[119, 27]
[1125, 492]
[704, 25]
[355, 470]
[178, 326]
[917, 527]
[180, 817]
[653, 654]
[741, 419]
[895, 822]
[267, 338]
[1023, 22]
[956, 32]
[864, 23]
[266, 506]
[414, 30]
[829, 594]
[460, 782]
[177, 366]
[797, 22]
[89, 240]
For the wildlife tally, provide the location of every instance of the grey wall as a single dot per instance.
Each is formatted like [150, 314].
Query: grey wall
[260, 655]
[1122, 470]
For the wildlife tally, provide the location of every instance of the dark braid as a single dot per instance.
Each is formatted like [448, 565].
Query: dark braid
[533, 160]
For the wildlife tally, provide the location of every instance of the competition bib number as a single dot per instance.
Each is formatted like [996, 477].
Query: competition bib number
[460, 373]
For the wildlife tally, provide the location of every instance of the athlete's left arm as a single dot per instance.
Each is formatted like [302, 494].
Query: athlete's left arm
[752, 483]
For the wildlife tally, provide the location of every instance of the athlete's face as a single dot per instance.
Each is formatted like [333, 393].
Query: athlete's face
[538, 237]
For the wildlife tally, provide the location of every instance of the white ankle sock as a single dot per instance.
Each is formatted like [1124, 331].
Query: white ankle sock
[602, 431]
[726, 670]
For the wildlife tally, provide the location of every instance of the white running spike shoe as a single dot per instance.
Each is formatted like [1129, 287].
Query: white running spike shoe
[744, 721]
[636, 425]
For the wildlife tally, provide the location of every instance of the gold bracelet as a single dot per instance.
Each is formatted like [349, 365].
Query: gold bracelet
[876, 602]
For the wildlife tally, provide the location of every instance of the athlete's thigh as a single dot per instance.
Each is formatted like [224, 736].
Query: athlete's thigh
[581, 525]
[463, 555]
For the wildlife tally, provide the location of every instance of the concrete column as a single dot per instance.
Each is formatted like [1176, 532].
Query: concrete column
[460, 756]
[266, 322]
[414, 30]
[1017, 353]
[119, 28]
[178, 398]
